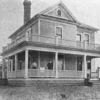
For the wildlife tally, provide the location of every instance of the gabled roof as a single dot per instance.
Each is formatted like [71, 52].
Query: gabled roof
[44, 12]
[56, 5]
[78, 23]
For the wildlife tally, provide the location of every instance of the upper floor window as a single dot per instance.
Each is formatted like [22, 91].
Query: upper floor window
[78, 37]
[59, 31]
[28, 33]
[87, 38]
[59, 12]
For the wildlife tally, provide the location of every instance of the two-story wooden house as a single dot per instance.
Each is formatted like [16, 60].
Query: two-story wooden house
[51, 45]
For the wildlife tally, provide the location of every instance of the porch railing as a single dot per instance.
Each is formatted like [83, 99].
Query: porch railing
[37, 73]
[70, 73]
[16, 74]
[52, 73]
[94, 75]
[41, 73]
[53, 41]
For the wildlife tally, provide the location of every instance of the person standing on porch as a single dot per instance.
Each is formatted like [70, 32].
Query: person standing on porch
[50, 65]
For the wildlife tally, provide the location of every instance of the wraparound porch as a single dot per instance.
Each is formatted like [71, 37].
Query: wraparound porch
[36, 64]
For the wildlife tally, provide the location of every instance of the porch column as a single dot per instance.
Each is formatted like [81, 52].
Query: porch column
[39, 59]
[3, 68]
[26, 63]
[8, 66]
[56, 57]
[56, 63]
[85, 66]
[16, 61]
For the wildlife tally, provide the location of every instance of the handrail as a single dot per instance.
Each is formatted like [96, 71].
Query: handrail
[61, 42]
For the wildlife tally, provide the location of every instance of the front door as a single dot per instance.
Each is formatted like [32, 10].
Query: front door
[60, 62]
[89, 68]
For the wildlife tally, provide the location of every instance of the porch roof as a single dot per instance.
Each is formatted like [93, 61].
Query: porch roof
[46, 45]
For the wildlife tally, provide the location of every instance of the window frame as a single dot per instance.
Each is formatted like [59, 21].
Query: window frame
[61, 31]
[29, 33]
[79, 59]
[80, 38]
[87, 41]
[59, 13]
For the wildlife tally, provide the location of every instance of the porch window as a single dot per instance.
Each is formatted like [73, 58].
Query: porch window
[59, 31]
[21, 61]
[46, 61]
[10, 65]
[21, 65]
[79, 63]
[89, 64]
[33, 60]
[13, 65]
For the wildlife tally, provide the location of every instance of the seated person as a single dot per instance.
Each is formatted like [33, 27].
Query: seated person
[34, 65]
[50, 65]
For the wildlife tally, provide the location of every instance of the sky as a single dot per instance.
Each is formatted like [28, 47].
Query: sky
[11, 14]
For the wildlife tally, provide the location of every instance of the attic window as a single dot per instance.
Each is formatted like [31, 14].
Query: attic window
[59, 12]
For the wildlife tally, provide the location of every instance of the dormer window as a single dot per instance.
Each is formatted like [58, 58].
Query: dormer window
[59, 12]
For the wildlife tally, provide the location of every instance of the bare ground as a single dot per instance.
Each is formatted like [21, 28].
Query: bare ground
[50, 92]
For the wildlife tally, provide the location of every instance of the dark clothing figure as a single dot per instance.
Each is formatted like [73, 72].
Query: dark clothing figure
[50, 65]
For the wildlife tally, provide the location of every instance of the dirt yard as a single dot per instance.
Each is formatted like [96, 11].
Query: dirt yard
[50, 92]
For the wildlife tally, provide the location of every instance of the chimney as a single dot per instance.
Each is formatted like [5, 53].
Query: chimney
[27, 10]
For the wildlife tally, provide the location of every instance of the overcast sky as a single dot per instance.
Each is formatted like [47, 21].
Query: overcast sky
[11, 14]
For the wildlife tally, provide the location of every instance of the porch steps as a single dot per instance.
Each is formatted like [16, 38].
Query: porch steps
[3, 81]
[95, 81]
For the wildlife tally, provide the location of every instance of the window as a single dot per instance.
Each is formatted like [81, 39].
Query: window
[79, 63]
[33, 60]
[78, 37]
[59, 12]
[89, 64]
[10, 65]
[87, 38]
[13, 64]
[59, 31]
[28, 34]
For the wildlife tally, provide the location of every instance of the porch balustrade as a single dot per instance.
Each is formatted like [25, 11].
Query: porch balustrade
[41, 73]
[37, 73]
[52, 41]
[16, 74]
[94, 75]
[70, 73]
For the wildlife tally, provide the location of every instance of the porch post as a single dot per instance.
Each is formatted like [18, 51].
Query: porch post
[56, 63]
[85, 66]
[8, 66]
[26, 63]
[56, 57]
[39, 59]
[16, 61]
[3, 68]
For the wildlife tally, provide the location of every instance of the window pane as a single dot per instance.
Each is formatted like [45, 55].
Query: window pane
[59, 31]
[59, 13]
